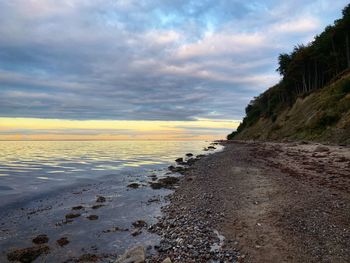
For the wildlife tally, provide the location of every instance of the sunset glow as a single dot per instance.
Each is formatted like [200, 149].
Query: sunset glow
[55, 129]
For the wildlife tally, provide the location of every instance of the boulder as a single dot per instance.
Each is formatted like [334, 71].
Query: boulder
[133, 255]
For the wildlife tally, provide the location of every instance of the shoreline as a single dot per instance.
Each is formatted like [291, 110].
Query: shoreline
[250, 202]
[272, 202]
[96, 219]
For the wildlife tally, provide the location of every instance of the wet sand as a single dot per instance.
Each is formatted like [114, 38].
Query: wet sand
[271, 202]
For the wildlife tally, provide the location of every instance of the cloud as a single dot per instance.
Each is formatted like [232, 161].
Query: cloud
[302, 25]
[146, 60]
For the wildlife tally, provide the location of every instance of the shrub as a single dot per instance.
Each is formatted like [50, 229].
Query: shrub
[328, 119]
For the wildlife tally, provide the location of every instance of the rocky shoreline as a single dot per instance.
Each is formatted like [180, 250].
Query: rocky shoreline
[52, 227]
[251, 202]
[259, 202]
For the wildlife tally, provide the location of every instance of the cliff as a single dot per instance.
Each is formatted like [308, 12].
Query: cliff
[312, 100]
[323, 115]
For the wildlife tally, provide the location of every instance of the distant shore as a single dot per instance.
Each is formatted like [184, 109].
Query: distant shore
[261, 202]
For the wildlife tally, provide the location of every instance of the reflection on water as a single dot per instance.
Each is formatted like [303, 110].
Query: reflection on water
[27, 165]
[31, 174]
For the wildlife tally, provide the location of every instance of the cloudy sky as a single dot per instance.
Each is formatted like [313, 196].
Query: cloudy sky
[109, 68]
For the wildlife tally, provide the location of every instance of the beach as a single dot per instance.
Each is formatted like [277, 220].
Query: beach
[261, 202]
[244, 202]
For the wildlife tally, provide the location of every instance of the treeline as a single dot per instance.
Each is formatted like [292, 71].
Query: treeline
[305, 69]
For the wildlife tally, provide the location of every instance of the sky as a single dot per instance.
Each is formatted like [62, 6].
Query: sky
[137, 69]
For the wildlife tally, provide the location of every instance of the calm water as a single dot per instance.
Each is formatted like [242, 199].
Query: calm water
[36, 166]
[40, 182]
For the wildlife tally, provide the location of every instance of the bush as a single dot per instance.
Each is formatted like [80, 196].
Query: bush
[345, 86]
[231, 135]
[328, 119]
[341, 89]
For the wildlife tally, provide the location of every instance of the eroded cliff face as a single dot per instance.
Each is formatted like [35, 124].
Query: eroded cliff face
[323, 115]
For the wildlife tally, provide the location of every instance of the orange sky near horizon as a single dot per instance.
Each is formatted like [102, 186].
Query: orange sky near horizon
[57, 129]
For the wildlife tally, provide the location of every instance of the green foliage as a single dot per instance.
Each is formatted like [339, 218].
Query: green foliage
[328, 119]
[304, 70]
[231, 135]
[345, 86]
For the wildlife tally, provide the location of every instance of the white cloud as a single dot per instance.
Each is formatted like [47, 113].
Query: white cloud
[298, 25]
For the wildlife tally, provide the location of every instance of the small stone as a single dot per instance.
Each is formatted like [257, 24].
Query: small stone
[40, 239]
[136, 232]
[97, 206]
[63, 241]
[133, 255]
[139, 224]
[92, 217]
[100, 199]
[134, 185]
[321, 149]
[167, 260]
[71, 215]
[77, 207]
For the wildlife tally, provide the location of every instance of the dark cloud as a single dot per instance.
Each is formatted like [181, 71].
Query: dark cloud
[146, 60]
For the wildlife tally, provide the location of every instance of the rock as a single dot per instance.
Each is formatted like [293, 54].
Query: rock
[321, 149]
[190, 178]
[133, 255]
[97, 206]
[191, 161]
[153, 200]
[92, 217]
[77, 207]
[100, 199]
[189, 154]
[341, 159]
[136, 232]
[63, 241]
[167, 260]
[115, 229]
[211, 147]
[134, 185]
[40, 239]
[167, 182]
[27, 255]
[88, 258]
[179, 160]
[177, 169]
[139, 223]
[71, 215]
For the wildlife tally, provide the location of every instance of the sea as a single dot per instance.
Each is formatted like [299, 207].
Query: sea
[41, 182]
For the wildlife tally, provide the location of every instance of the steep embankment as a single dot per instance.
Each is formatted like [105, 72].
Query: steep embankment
[323, 115]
